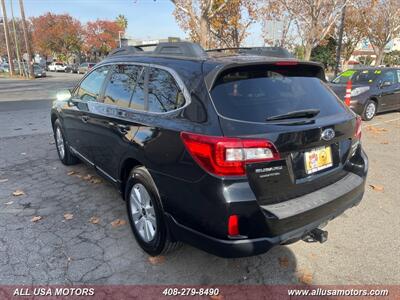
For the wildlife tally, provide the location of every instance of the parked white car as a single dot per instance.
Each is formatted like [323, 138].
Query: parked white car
[57, 67]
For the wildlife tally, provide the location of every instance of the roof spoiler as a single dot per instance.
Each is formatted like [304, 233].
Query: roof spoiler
[213, 75]
[261, 51]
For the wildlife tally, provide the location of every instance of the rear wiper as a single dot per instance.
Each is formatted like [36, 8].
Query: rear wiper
[306, 113]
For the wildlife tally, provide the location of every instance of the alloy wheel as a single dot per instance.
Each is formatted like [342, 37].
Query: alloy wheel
[60, 143]
[142, 212]
[370, 111]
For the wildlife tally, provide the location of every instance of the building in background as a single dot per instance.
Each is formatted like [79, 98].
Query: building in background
[273, 32]
[364, 53]
[127, 41]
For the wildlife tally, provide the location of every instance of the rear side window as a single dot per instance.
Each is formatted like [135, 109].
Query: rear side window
[163, 92]
[390, 75]
[257, 93]
[125, 88]
[90, 87]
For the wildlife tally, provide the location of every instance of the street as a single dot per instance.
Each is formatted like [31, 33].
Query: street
[65, 244]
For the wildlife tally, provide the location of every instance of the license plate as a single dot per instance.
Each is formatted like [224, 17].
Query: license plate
[318, 159]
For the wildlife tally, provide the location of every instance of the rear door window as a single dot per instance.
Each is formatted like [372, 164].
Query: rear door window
[125, 88]
[390, 76]
[90, 87]
[164, 93]
[257, 93]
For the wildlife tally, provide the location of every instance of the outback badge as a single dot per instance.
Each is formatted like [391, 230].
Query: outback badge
[328, 134]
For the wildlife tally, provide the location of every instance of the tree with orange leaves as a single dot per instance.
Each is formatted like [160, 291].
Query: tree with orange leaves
[59, 35]
[101, 36]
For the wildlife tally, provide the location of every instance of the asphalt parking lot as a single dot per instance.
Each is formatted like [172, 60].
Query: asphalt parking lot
[66, 225]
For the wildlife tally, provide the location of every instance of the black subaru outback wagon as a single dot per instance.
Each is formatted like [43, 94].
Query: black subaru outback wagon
[230, 153]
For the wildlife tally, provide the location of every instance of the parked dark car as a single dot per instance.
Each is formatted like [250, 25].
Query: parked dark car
[84, 67]
[38, 71]
[72, 68]
[373, 90]
[232, 155]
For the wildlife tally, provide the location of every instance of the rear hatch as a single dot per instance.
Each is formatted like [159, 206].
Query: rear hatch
[288, 105]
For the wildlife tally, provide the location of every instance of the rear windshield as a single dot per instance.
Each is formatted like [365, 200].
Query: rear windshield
[357, 76]
[257, 93]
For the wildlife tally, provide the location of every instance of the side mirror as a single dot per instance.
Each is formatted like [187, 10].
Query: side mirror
[64, 95]
[386, 83]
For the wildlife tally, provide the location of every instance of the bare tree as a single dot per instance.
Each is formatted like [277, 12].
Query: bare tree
[230, 25]
[354, 30]
[216, 22]
[382, 20]
[195, 17]
[314, 19]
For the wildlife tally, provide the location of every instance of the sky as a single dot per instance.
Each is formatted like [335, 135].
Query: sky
[147, 19]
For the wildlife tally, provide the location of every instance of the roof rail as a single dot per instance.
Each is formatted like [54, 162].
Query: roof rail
[262, 51]
[125, 50]
[167, 49]
[186, 49]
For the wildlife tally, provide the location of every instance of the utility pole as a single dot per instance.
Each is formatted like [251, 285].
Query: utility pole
[6, 34]
[16, 39]
[26, 38]
[339, 47]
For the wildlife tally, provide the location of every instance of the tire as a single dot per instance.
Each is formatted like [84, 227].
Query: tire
[63, 151]
[369, 112]
[146, 214]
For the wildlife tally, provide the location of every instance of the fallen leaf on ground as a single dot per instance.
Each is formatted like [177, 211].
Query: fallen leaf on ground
[305, 277]
[156, 260]
[51, 142]
[88, 177]
[68, 216]
[36, 218]
[96, 181]
[18, 193]
[69, 258]
[9, 203]
[3, 180]
[79, 176]
[375, 130]
[384, 142]
[313, 255]
[377, 187]
[94, 220]
[283, 261]
[23, 153]
[118, 223]
[70, 173]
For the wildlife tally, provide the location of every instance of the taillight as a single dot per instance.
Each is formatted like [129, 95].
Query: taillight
[224, 156]
[357, 130]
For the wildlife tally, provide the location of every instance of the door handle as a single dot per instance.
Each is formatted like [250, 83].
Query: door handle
[85, 119]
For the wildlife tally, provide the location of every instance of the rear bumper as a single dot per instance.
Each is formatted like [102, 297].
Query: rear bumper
[286, 223]
[247, 247]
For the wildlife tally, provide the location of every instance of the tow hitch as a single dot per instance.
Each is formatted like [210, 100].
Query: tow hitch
[316, 235]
